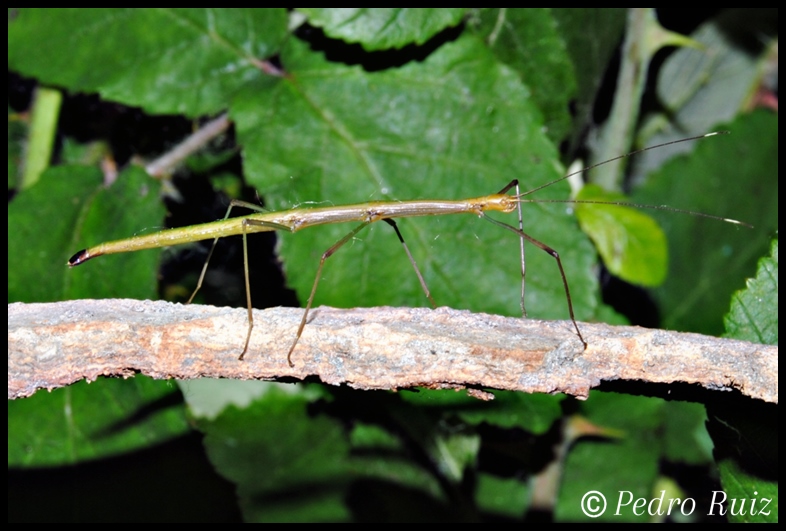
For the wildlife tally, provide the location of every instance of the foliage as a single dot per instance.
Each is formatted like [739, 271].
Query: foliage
[427, 104]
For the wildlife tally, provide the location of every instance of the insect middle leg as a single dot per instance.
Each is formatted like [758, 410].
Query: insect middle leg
[246, 223]
[554, 254]
[335, 247]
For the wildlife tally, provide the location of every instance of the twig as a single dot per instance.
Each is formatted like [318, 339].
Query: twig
[193, 143]
[52, 345]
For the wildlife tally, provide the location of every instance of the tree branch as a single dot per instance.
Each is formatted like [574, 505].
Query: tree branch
[167, 162]
[53, 345]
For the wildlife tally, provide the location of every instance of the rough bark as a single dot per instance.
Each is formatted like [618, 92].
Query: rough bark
[52, 345]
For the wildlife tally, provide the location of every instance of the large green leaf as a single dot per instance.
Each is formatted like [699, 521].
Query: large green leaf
[286, 453]
[85, 421]
[457, 125]
[86, 213]
[561, 54]
[188, 61]
[732, 176]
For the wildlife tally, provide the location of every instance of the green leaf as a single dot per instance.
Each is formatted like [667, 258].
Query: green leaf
[382, 456]
[508, 497]
[685, 434]
[119, 211]
[631, 243]
[754, 499]
[591, 37]
[85, 421]
[187, 61]
[287, 465]
[754, 311]
[382, 28]
[629, 464]
[38, 249]
[745, 433]
[69, 209]
[572, 45]
[733, 176]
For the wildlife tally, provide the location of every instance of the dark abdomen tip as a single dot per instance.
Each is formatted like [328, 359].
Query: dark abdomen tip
[79, 258]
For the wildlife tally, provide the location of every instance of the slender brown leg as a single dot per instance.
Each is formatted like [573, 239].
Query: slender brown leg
[327, 254]
[246, 223]
[412, 261]
[555, 255]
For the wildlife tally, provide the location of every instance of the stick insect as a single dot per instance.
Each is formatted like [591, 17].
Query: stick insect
[366, 214]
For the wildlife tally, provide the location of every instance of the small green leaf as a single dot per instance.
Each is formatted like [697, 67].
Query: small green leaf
[631, 243]
[754, 311]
